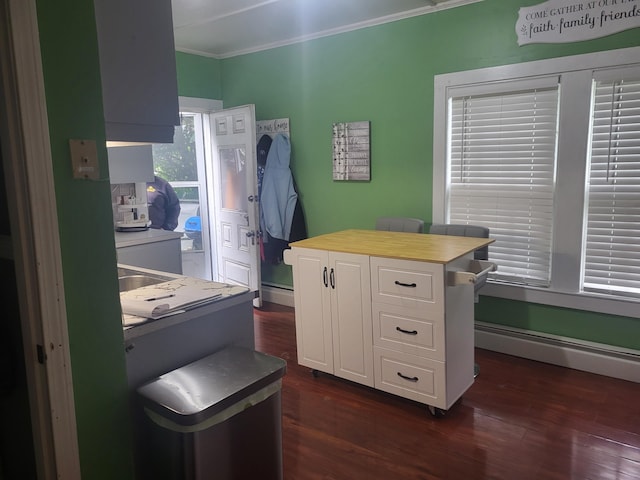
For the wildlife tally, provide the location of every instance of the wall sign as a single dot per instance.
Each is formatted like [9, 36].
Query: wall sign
[351, 151]
[271, 127]
[561, 21]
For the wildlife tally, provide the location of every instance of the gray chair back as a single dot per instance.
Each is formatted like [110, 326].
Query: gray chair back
[464, 231]
[400, 224]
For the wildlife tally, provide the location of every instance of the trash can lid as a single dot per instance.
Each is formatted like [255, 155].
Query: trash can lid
[200, 390]
[193, 224]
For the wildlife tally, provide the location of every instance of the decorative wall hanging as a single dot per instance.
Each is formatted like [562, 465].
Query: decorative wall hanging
[271, 127]
[561, 21]
[351, 151]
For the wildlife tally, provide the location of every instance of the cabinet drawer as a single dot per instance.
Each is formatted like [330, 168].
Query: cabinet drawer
[408, 331]
[416, 378]
[408, 283]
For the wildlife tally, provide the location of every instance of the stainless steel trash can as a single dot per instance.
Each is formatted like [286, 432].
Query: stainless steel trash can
[217, 418]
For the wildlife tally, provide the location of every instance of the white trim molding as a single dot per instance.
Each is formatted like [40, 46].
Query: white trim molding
[566, 352]
[199, 105]
[277, 294]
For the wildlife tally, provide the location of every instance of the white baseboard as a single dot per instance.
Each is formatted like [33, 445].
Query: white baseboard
[279, 295]
[565, 352]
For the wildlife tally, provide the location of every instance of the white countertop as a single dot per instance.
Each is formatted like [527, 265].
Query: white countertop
[137, 326]
[129, 239]
[241, 296]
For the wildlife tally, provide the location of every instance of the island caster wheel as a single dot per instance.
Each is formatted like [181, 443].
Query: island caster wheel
[436, 412]
[315, 373]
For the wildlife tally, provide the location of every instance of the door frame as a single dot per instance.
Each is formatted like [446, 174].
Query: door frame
[203, 107]
[34, 244]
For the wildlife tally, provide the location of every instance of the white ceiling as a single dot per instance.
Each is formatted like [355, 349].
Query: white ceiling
[225, 28]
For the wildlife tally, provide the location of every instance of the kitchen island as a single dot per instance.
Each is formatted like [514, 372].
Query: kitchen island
[157, 346]
[390, 310]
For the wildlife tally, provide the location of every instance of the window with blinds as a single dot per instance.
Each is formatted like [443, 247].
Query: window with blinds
[611, 253]
[502, 162]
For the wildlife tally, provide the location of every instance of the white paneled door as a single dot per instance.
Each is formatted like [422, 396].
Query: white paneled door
[233, 190]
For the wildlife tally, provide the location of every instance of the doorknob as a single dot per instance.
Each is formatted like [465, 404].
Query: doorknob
[251, 198]
[252, 236]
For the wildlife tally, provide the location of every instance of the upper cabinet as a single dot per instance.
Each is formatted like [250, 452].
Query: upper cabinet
[130, 164]
[138, 69]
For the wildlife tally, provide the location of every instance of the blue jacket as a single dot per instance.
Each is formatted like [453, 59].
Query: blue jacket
[278, 197]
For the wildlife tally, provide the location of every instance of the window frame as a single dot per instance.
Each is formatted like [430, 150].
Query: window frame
[576, 75]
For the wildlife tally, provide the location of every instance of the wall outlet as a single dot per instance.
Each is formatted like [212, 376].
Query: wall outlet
[84, 159]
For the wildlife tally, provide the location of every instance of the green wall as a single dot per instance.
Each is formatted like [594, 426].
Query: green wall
[385, 74]
[72, 83]
[198, 76]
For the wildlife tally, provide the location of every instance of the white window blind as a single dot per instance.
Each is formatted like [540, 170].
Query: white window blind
[611, 262]
[502, 163]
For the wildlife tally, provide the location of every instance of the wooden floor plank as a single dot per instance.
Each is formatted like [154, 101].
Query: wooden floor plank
[520, 420]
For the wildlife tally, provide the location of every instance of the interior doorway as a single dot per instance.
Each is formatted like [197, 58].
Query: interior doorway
[182, 163]
[17, 454]
[212, 166]
[31, 262]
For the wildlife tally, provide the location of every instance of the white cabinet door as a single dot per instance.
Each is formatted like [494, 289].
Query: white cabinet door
[350, 285]
[312, 307]
[332, 296]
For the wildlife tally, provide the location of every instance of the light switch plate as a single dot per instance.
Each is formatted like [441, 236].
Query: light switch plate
[84, 159]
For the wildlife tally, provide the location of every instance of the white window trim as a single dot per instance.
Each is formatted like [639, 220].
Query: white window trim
[570, 194]
[199, 105]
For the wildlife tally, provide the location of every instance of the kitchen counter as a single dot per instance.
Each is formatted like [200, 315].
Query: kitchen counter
[135, 326]
[158, 346]
[231, 295]
[152, 248]
[129, 239]
[399, 245]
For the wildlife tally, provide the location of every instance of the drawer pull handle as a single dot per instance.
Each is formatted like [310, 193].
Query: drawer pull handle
[324, 277]
[412, 285]
[411, 379]
[408, 332]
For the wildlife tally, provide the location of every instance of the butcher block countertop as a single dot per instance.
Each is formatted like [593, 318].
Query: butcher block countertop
[406, 246]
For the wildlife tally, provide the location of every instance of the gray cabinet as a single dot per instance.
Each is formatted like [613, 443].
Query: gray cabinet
[138, 69]
[130, 164]
[153, 249]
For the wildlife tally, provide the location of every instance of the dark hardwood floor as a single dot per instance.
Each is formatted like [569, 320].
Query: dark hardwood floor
[520, 420]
